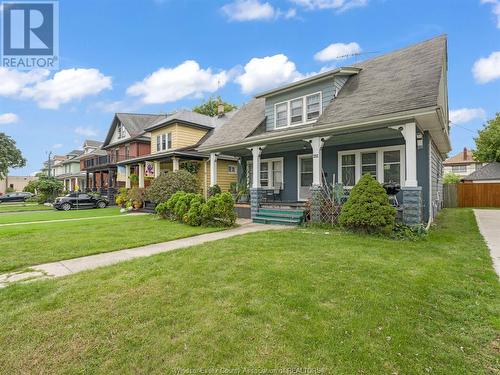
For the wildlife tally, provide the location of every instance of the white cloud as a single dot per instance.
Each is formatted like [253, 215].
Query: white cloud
[248, 10]
[171, 84]
[267, 72]
[464, 115]
[65, 86]
[487, 69]
[337, 51]
[8, 118]
[495, 9]
[86, 131]
[339, 5]
[57, 145]
[12, 82]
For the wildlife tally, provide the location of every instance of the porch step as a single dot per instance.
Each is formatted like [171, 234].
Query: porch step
[279, 216]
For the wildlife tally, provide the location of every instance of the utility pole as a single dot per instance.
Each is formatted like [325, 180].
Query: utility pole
[48, 162]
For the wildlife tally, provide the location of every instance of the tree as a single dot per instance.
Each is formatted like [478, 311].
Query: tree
[488, 141]
[209, 107]
[451, 178]
[10, 155]
[47, 188]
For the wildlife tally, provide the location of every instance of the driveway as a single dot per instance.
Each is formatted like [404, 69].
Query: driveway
[489, 226]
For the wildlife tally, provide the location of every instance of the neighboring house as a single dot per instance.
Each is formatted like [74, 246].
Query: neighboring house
[68, 171]
[126, 139]
[387, 116]
[461, 164]
[15, 183]
[173, 142]
[488, 173]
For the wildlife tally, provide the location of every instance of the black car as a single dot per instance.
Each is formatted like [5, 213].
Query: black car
[79, 201]
[15, 197]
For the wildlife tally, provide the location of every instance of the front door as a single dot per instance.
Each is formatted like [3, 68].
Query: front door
[305, 176]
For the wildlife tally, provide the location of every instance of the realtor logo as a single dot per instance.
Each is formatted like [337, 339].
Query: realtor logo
[30, 34]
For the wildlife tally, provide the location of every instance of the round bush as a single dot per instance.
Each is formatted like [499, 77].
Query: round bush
[368, 209]
[166, 185]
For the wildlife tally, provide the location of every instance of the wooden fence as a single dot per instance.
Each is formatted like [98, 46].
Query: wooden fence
[471, 195]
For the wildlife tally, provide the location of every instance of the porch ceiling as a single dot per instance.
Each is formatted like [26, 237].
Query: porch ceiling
[339, 138]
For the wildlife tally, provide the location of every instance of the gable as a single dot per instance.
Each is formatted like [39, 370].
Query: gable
[120, 133]
[181, 135]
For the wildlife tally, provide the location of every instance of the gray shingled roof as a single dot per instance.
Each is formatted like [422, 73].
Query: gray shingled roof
[92, 143]
[241, 124]
[490, 171]
[188, 117]
[403, 80]
[136, 123]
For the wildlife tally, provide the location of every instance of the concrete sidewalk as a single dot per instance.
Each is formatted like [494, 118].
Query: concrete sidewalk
[489, 226]
[71, 266]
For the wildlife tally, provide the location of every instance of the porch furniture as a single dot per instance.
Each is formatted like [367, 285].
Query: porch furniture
[274, 194]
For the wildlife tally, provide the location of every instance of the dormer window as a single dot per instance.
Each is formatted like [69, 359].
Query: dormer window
[298, 111]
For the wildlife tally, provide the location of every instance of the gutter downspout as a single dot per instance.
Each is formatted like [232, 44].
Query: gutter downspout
[429, 222]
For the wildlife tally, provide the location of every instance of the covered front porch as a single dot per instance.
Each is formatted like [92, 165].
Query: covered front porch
[288, 173]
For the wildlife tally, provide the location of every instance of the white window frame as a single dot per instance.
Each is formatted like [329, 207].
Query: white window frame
[304, 111]
[380, 162]
[168, 141]
[232, 169]
[270, 170]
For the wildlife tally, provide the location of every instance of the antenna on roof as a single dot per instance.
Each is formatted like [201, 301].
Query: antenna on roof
[355, 55]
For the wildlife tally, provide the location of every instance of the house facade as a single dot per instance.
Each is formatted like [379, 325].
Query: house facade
[173, 142]
[462, 164]
[387, 116]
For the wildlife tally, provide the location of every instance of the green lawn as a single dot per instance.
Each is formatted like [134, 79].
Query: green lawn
[300, 298]
[26, 245]
[23, 217]
[21, 207]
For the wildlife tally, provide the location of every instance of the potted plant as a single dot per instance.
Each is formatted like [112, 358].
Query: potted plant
[134, 179]
[136, 196]
[233, 189]
[243, 194]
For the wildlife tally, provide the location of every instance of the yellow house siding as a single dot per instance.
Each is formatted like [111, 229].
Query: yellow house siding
[224, 178]
[182, 136]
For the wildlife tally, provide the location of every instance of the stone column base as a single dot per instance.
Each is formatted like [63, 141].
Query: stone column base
[412, 205]
[255, 199]
[316, 198]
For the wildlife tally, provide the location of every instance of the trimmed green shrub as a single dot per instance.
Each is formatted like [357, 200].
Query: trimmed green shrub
[368, 209]
[213, 190]
[193, 216]
[162, 210]
[166, 185]
[219, 210]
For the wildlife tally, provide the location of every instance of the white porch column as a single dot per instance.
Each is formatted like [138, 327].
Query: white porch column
[175, 164]
[141, 175]
[317, 149]
[213, 168]
[256, 152]
[409, 132]
[127, 176]
[76, 183]
[157, 168]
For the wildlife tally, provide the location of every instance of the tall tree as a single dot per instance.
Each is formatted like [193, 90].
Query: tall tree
[10, 155]
[488, 141]
[210, 107]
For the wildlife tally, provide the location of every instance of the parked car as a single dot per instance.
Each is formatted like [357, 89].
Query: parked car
[79, 201]
[15, 197]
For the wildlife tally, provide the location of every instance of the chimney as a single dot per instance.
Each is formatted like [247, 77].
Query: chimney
[465, 153]
[220, 109]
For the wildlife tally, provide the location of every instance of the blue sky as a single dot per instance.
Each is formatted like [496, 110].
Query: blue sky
[159, 55]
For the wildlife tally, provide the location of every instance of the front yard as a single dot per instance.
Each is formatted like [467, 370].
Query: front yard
[22, 207]
[345, 303]
[25, 245]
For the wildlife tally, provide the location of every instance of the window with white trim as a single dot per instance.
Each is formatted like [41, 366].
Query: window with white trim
[385, 164]
[271, 173]
[297, 111]
[281, 115]
[231, 169]
[164, 142]
[459, 168]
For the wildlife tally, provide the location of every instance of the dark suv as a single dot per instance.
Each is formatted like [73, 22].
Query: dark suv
[79, 201]
[15, 197]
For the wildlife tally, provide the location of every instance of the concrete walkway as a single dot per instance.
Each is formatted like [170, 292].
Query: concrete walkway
[489, 226]
[71, 266]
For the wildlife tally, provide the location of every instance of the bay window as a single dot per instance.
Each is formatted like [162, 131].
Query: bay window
[385, 164]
